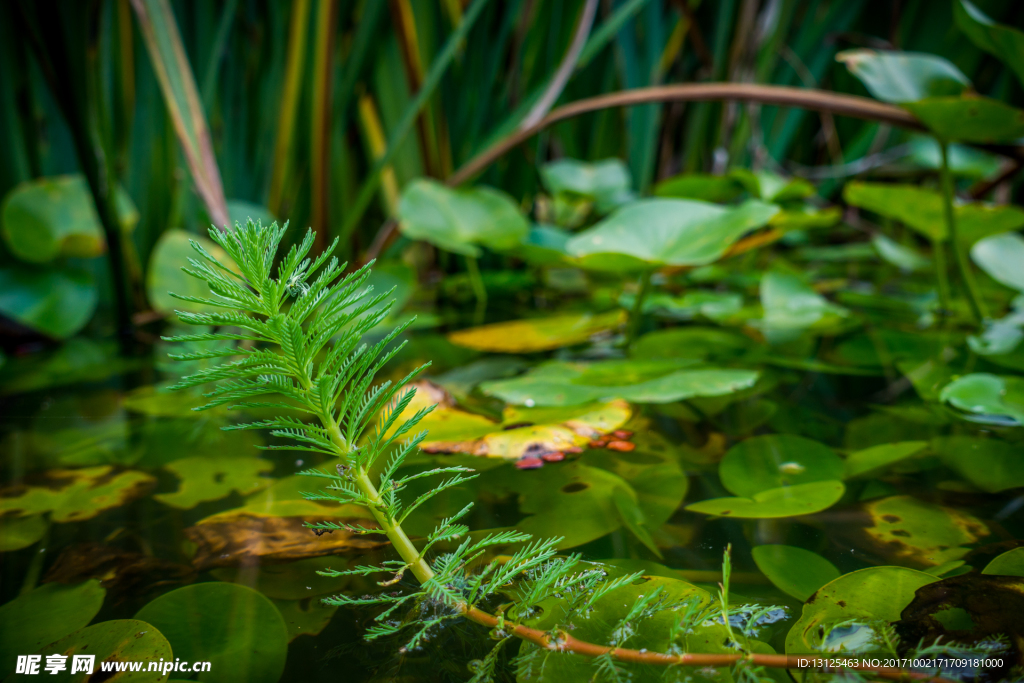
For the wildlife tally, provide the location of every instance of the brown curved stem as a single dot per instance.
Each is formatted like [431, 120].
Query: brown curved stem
[563, 642]
[805, 98]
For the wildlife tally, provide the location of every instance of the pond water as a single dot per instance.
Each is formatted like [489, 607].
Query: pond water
[119, 502]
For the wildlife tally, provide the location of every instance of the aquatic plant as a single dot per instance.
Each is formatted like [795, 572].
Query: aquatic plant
[300, 350]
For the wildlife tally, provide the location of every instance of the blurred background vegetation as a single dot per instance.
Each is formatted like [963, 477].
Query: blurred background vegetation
[179, 114]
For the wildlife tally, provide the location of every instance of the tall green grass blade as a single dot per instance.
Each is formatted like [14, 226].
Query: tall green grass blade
[280, 164]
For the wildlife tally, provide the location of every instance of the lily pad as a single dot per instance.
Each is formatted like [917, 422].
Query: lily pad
[607, 183]
[921, 534]
[212, 478]
[902, 77]
[57, 302]
[776, 460]
[901, 256]
[538, 334]
[866, 594]
[987, 398]
[44, 615]
[870, 461]
[989, 464]
[21, 532]
[786, 501]
[969, 119]
[794, 571]
[236, 629]
[1010, 563]
[1000, 256]
[710, 343]
[165, 274]
[771, 187]
[792, 307]
[460, 220]
[564, 384]
[1005, 42]
[702, 186]
[650, 233]
[76, 495]
[119, 640]
[55, 217]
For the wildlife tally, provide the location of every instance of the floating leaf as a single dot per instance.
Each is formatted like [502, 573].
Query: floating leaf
[119, 640]
[607, 183]
[772, 187]
[710, 343]
[240, 211]
[786, 501]
[794, 571]
[306, 617]
[776, 460]
[544, 245]
[243, 537]
[21, 532]
[718, 306]
[791, 307]
[871, 461]
[676, 232]
[76, 495]
[989, 464]
[1010, 563]
[236, 629]
[1005, 42]
[43, 615]
[702, 186]
[987, 398]
[165, 274]
[969, 119]
[57, 302]
[212, 478]
[901, 77]
[460, 220]
[1000, 256]
[921, 534]
[537, 334]
[866, 594]
[558, 383]
[55, 217]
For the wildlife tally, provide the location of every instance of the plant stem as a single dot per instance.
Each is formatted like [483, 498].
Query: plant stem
[636, 315]
[939, 252]
[399, 540]
[963, 265]
[479, 291]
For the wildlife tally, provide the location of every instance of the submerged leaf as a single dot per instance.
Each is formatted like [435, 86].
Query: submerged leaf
[794, 571]
[204, 478]
[537, 334]
[118, 640]
[76, 495]
[921, 534]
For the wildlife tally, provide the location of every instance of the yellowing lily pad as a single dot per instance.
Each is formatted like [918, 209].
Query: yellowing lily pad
[786, 501]
[76, 495]
[538, 334]
[921, 534]
[211, 478]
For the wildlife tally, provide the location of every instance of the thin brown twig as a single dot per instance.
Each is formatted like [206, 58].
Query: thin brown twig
[819, 100]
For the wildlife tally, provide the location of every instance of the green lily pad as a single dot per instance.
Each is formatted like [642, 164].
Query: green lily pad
[989, 464]
[656, 381]
[776, 460]
[786, 501]
[1010, 563]
[1000, 256]
[44, 615]
[902, 77]
[76, 495]
[866, 594]
[650, 233]
[702, 186]
[165, 274]
[870, 461]
[240, 211]
[236, 629]
[57, 302]
[544, 245]
[537, 334]
[792, 307]
[120, 640]
[21, 532]
[919, 533]
[607, 183]
[461, 220]
[771, 187]
[901, 256]
[1005, 42]
[55, 217]
[710, 343]
[987, 398]
[212, 478]
[794, 571]
[969, 119]
[718, 306]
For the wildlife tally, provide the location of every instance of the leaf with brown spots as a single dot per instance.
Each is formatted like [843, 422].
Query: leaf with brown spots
[912, 532]
[75, 495]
